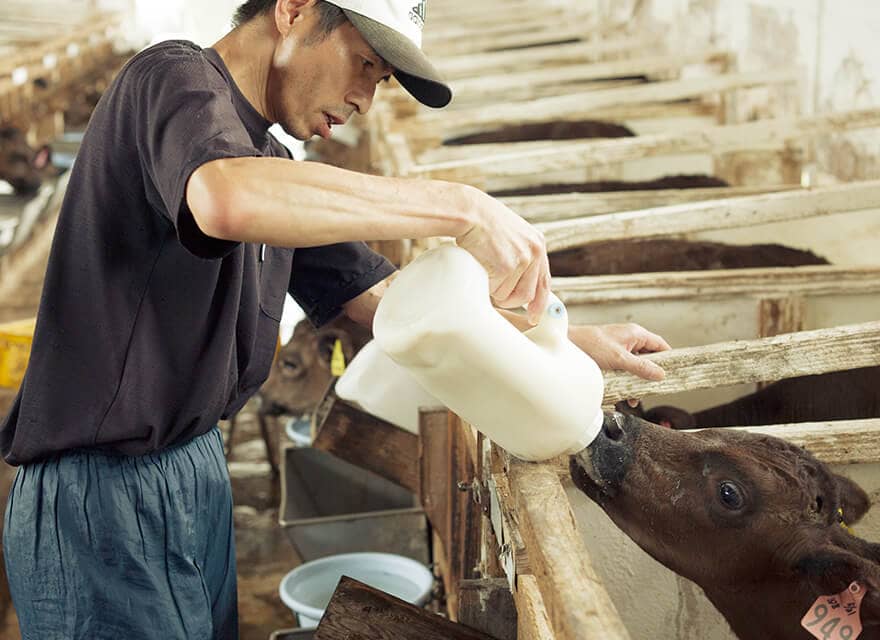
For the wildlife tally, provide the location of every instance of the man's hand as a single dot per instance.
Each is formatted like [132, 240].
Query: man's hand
[615, 347]
[514, 254]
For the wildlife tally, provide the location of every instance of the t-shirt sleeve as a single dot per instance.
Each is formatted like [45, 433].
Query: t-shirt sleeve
[185, 118]
[325, 278]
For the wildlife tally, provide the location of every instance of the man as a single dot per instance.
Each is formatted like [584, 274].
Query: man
[162, 299]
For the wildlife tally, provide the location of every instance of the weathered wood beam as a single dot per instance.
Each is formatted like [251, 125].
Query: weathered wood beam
[552, 208]
[541, 35]
[532, 620]
[745, 361]
[583, 104]
[771, 134]
[474, 65]
[490, 85]
[577, 604]
[718, 214]
[715, 284]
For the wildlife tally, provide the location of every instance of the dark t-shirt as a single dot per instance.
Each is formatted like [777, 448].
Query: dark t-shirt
[150, 331]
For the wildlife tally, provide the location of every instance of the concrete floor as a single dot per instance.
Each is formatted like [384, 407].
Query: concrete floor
[264, 554]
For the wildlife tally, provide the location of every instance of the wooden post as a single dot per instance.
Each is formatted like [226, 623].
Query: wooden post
[487, 605]
[577, 604]
[449, 491]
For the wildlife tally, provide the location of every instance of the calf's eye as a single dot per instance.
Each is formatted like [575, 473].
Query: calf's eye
[730, 495]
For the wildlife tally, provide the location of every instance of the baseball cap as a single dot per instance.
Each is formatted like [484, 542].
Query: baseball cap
[394, 29]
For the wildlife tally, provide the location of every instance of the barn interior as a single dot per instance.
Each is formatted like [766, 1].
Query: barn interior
[709, 170]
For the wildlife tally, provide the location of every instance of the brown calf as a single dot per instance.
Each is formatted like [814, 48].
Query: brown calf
[301, 373]
[22, 166]
[753, 520]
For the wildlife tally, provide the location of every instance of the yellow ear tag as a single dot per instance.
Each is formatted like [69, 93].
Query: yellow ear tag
[337, 360]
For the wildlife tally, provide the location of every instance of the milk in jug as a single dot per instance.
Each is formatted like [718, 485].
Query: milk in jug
[534, 393]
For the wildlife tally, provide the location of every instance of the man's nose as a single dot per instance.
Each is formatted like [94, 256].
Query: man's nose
[362, 99]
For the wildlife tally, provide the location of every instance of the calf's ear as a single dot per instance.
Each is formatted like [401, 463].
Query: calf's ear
[832, 568]
[853, 500]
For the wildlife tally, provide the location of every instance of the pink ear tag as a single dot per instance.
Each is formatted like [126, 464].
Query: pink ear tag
[836, 617]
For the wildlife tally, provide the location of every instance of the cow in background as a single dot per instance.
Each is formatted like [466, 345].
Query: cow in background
[853, 394]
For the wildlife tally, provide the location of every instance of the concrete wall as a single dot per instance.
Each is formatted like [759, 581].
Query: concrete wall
[832, 44]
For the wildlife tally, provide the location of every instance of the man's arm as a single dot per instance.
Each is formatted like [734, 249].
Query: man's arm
[305, 204]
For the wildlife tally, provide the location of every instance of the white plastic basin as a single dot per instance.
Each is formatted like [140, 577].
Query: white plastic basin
[308, 588]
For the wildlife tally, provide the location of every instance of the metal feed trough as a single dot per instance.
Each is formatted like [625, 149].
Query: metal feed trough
[330, 506]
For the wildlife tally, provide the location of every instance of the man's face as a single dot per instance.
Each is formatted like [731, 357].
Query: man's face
[315, 81]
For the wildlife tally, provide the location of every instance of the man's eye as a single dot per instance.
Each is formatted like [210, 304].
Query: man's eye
[368, 64]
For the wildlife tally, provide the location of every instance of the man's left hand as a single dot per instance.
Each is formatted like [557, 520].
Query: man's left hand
[617, 347]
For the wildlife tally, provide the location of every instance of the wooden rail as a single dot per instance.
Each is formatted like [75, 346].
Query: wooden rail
[470, 164]
[718, 214]
[716, 284]
[744, 361]
[553, 208]
[586, 104]
[497, 62]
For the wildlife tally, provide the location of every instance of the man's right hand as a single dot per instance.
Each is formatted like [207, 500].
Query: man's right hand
[514, 254]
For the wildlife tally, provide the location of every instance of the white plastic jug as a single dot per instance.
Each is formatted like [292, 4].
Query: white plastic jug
[375, 383]
[535, 393]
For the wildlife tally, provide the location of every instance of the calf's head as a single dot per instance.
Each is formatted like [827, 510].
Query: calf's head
[301, 373]
[22, 166]
[754, 520]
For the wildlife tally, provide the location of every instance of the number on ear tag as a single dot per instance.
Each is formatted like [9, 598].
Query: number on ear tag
[337, 360]
[836, 617]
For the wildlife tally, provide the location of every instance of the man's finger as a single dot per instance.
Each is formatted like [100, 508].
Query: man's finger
[542, 292]
[652, 343]
[524, 292]
[643, 368]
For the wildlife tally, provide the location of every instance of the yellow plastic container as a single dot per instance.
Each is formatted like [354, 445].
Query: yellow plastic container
[15, 349]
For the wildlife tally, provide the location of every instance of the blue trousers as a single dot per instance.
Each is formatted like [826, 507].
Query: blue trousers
[100, 546]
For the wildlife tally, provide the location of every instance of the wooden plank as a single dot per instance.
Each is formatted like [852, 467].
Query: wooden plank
[532, 620]
[357, 610]
[434, 480]
[745, 361]
[576, 601]
[834, 442]
[770, 134]
[491, 85]
[552, 208]
[487, 605]
[369, 442]
[718, 214]
[475, 65]
[842, 442]
[717, 284]
[584, 104]
[530, 38]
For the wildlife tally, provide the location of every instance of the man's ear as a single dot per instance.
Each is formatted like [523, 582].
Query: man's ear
[287, 12]
[853, 500]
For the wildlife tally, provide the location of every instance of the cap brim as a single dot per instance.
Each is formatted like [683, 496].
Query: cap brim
[412, 68]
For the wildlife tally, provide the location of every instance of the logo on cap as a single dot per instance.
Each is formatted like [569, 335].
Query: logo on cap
[418, 14]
